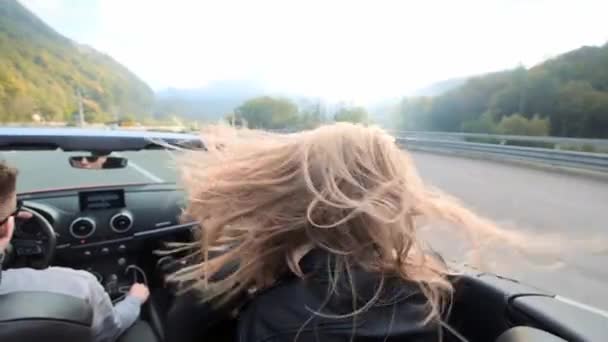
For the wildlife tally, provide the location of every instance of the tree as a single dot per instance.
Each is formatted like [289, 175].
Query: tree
[351, 114]
[268, 113]
[20, 108]
[542, 92]
[309, 119]
[512, 97]
[413, 113]
[485, 124]
[516, 124]
[581, 111]
[311, 114]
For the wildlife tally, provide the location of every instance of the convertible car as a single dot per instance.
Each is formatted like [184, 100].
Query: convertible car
[104, 201]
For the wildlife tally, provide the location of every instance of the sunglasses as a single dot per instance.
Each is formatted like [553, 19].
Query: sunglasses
[89, 159]
[14, 213]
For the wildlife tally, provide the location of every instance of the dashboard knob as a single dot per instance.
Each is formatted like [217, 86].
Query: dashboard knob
[112, 284]
[82, 227]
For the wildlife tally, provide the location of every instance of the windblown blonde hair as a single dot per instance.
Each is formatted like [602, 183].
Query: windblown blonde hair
[266, 199]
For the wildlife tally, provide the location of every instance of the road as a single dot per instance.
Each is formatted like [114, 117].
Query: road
[515, 197]
[51, 169]
[540, 202]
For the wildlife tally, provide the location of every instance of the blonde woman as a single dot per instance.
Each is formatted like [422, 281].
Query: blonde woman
[321, 230]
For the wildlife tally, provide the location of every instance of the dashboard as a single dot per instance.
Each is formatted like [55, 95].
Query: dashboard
[104, 229]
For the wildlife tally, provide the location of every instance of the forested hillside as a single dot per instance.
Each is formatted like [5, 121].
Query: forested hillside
[564, 96]
[40, 72]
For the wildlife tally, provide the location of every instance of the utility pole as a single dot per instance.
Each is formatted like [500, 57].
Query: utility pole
[80, 107]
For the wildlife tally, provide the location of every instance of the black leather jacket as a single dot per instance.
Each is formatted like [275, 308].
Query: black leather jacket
[287, 311]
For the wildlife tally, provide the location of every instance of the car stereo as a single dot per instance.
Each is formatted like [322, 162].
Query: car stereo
[101, 200]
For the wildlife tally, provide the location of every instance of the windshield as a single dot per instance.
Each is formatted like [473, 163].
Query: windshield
[43, 170]
[503, 104]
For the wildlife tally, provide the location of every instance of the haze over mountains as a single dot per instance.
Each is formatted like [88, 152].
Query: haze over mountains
[221, 97]
[440, 87]
[209, 103]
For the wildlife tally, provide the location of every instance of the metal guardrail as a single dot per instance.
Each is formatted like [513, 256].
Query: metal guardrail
[569, 159]
[558, 141]
[452, 143]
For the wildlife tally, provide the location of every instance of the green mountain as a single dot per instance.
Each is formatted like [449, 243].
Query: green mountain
[41, 72]
[567, 94]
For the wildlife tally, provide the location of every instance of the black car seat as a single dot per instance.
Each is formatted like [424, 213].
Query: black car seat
[44, 316]
[527, 334]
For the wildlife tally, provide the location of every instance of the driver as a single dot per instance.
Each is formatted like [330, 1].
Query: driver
[94, 162]
[109, 322]
[324, 229]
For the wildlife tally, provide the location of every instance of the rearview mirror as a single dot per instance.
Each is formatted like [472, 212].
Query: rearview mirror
[98, 162]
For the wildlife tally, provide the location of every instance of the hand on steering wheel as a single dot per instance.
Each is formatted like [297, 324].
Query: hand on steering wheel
[7, 230]
[40, 251]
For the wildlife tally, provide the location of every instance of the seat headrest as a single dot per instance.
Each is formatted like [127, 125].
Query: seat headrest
[44, 316]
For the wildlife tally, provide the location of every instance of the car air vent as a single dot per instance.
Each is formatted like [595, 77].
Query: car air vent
[82, 227]
[121, 222]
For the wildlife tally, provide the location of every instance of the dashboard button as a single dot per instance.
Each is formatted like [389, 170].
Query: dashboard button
[29, 250]
[122, 248]
[87, 253]
[105, 250]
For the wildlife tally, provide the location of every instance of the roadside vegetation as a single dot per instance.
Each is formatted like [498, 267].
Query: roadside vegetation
[566, 96]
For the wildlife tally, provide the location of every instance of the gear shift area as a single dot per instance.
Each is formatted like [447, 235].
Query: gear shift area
[136, 275]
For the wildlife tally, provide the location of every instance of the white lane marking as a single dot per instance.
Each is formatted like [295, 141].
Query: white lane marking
[143, 171]
[582, 306]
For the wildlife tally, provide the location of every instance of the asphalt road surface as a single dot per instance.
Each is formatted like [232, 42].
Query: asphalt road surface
[51, 169]
[513, 196]
[573, 208]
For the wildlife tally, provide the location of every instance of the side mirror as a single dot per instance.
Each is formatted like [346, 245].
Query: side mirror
[98, 162]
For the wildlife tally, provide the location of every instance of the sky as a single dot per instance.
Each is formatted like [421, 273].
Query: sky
[349, 50]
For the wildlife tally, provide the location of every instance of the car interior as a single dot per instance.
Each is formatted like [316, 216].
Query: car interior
[114, 232]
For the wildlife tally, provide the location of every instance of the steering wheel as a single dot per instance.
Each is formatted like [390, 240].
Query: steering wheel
[34, 239]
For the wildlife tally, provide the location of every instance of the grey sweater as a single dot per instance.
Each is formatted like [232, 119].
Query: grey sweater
[109, 322]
